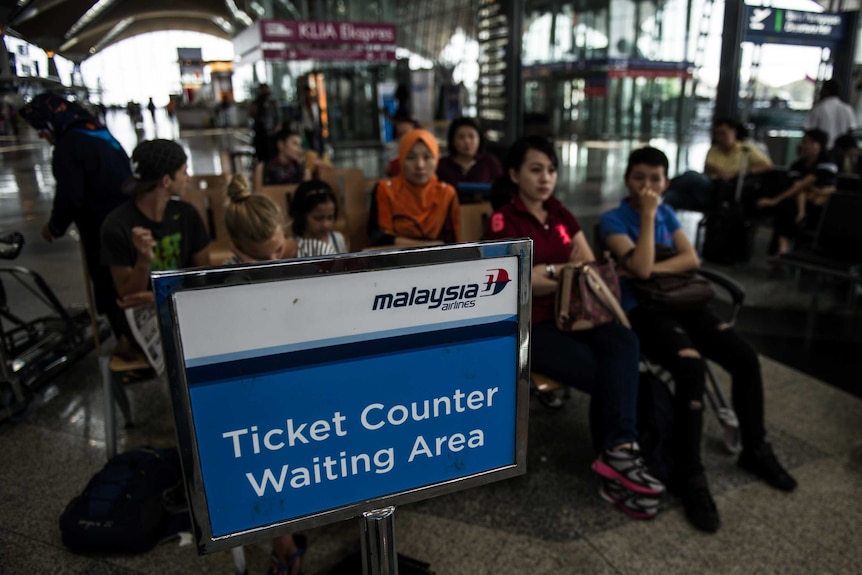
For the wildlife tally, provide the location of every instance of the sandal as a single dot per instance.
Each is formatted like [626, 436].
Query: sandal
[279, 568]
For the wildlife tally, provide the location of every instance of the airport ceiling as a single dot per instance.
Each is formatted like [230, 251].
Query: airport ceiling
[76, 29]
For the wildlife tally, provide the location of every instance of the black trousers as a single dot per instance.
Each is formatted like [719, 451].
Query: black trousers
[786, 215]
[663, 335]
[603, 362]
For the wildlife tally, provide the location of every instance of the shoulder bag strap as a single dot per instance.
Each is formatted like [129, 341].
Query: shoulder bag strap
[743, 167]
[603, 292]
[564, 293]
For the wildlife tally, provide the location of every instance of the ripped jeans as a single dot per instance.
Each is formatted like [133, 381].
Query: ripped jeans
[665, 336]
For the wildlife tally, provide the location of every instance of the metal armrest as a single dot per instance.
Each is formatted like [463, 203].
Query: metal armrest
[728, 284]
[10, 245]
[724, 281]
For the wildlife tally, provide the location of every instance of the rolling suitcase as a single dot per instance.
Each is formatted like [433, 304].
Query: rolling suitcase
[727, 233]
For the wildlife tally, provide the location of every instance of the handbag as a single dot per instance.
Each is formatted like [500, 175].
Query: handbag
[587, 297]
[675, 290]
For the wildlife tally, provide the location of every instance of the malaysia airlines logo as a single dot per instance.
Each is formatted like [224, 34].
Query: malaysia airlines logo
[496, 282]
[445, 297]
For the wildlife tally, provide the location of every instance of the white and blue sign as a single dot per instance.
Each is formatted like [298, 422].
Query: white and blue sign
[312, 394]
[769, 25]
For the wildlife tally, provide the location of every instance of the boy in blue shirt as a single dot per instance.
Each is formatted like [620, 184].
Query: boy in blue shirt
[680, 339]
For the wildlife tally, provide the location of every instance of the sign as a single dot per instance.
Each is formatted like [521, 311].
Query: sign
[287, 40]
[306, 32]
[307, 392]
[766, 25]
[191, 65]
[612, 68]
[287, 53]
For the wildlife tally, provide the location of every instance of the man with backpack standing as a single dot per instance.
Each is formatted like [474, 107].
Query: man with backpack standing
[89, 167]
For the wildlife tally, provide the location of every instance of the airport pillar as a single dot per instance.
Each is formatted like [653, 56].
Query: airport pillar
[727, 93]
[843, 56]
[52, 65]
[5, 68]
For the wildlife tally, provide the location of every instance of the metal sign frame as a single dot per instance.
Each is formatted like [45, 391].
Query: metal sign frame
[168, 285]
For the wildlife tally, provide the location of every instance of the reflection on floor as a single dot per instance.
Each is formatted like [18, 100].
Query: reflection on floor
[550, 521]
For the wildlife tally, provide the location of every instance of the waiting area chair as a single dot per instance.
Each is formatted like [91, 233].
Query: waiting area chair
[835, 252]
[208, 194]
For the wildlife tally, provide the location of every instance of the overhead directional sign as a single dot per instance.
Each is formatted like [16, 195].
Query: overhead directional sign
[767, 25]
[323, 41]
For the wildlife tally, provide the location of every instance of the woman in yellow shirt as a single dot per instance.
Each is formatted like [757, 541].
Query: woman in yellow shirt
[724, 158]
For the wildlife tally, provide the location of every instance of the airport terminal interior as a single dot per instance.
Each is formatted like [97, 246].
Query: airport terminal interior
[550, 520]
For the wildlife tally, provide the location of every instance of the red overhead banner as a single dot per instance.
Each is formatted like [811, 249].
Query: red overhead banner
[311, 32]
[328, 54]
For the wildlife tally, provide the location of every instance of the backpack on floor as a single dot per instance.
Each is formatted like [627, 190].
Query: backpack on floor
[655, 424]
[129, 505]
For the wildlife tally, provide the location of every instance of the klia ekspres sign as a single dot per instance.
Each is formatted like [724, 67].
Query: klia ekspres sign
[311, 396]
[322, 32]
[327, 41]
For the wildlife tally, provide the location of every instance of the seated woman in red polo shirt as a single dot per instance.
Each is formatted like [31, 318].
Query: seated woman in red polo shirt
[602, 361]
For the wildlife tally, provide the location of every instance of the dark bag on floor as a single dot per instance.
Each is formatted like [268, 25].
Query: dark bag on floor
[126, 506]
[655, 425]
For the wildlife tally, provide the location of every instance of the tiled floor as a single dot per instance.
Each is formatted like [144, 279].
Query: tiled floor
[548, 521]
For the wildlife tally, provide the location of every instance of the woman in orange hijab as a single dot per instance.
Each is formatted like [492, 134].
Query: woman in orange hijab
[414, 207]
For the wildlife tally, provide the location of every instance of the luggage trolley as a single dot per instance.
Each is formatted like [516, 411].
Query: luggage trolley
[35, 350]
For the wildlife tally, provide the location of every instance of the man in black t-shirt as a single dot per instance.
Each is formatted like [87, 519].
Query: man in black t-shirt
[153, 232]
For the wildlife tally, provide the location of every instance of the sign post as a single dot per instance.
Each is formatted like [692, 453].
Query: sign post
[378, 542]
[315, 390]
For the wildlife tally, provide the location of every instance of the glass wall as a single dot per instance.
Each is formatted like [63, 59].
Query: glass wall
[607, 68]
[579, 31]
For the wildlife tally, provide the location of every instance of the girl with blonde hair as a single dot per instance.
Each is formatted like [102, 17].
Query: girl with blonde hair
[256, 227]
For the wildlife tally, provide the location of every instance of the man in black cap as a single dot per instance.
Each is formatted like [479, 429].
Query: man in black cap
[153, 232]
